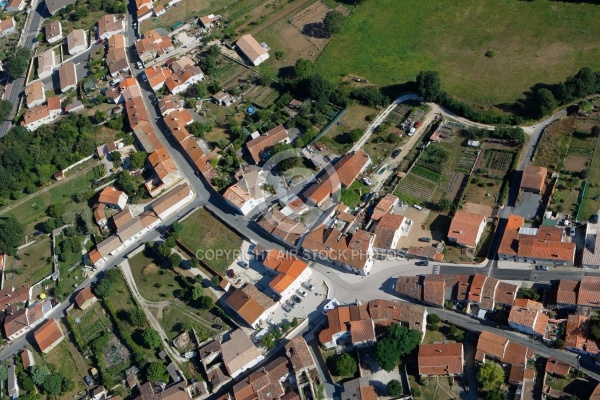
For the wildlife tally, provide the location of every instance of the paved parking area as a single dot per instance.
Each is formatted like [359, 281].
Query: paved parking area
[528, 205]
[416, 230]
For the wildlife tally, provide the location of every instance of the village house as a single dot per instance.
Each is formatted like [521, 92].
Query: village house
[528, 321]
[15, 5]
[359, 389]
[27, 358]
[208, 21]
[144, 9]
[258, 145]
[389, 229]
[577, 336]
[247, 193]
[223, 98]
[109, 25]
[239, 353]
[42, 114]
[166, 173]
[116, 57]
[67, 76]
[48, 336]
[35, 94]
[184, 74]
[53, 32]
[77, 41]
[7, 26]
[252, 305]
[442, 359]
[100, 215]
[113, 198]
[173, 201]
[466, 229]
[252, 50]
[289, 272]
[153, 45]
[168, 104]
[54, 5]
[498, 348]
[156, 77]
[85, 298]
[384, 206]
[591, 248]
[533, 179]
[46, 63]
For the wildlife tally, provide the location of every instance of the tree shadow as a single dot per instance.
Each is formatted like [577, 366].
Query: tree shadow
[315, 29]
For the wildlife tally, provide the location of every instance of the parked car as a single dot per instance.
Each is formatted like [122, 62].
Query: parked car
[308, 286]
[425, 239]
[367, 197]
[286, 308]
[243, 264]
[319, 147]
[139, 65]
[291, 303]
[542, 268]
[301, 292]
[88, 380]
[396, 153]
[296, 299]
[422, 263]
[217, 326]
[367, 181]
[271, 322]
[571, 230]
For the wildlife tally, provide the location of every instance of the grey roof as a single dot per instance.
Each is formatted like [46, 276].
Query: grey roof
[55, 5]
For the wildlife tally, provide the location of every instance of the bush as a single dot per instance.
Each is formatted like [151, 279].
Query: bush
[394, 387]
[433, 319]
[345, 365]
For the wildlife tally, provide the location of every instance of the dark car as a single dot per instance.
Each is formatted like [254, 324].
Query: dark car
[425, 239]
[217, 326]
[542, 268]
[396, 153]
[422, 263]
[296, 299]
[367, 197]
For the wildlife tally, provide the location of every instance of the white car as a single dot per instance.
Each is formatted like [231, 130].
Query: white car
[301, 292]
[367, 181]
[139, 65]
[271, 322]
[308, 285]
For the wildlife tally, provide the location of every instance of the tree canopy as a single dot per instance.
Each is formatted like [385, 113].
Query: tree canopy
[12, 233]
[5, 109]
[429, 85]
[490, 375]
[398, 340]
[18, 63]
[394, 387]
[289, 158]
[151, 338]
[333, 22]
[156, 371]
[345, 365]
[53, 384]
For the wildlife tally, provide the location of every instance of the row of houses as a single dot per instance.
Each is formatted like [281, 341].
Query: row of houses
[178, 77]
[153, 45]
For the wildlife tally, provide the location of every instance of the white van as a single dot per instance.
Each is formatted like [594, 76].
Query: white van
[418, 207]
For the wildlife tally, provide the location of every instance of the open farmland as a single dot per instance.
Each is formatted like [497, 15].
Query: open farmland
[532, 42]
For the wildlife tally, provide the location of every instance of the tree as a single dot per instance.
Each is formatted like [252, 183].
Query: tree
[319, 87]
[175, 260]
[429, 85]
[156, 371]
[12, 233]
[128, 183]
[215, 280]
[104, 288]
[595, 131]
[5, 109]
[355, 134]
[67, 385]
[394, 387]
[294, 322]
[53, 384]
[543, 102]
[495, 394]
[138, 159]
[289, 158]
[176, 227]
[333, 22]
[528, 293]
[137, 317]
[205, 302]
[151, 338]
[559, 343]
[445, 204]
[39, 373]
[398, 340]
[4, 372]
[345, 365]
[490, 375]
[303, 68]
[18, 63]
[201, 89]
[268, 341]
[197, 292]
[433, 319]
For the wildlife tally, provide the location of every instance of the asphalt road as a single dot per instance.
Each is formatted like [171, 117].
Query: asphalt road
[30, 31]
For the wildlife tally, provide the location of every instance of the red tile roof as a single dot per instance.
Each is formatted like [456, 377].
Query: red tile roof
[441, 359]
[567, 292]
[516, 354]
[577, 334]
[534, 177]
[490, 345]
[256, 146]
[529, 304]
[465, 227]
[384, 206]
[385, 230]
[350, 166]
[589, 292]
[362, 331]
[505, 293]
[557, 367]
[476, 288]
[518, 373]
[488, 293]
[48, 334]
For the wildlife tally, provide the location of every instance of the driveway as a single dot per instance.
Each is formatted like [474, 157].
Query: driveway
[528, 205]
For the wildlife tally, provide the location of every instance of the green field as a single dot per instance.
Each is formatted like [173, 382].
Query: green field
[212, 241]
[390, 41]
[154, 283]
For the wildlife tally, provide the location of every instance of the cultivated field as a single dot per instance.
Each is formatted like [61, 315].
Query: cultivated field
[388, 42]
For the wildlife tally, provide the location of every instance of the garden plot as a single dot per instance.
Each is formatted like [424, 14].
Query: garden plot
[415, 189]
[580, 153]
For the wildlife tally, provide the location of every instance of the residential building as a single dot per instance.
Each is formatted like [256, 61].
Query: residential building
[42, 115]
[156, 77]
[591, 249]
[208, 21]
[529, 321]
[46, 63]
[184, 74]
[168, 104]
[173, 201]
[351, 251]
[290, 272]
[442, 359]
[85, 298]
[466, 229]
[267, 382]
[389, 229]
[166, 174]
[100, 215]
[252, 305]
[77, 41]
[15, 5]
[9, 297]
[501, 349]
[533, 179]
[53, 32]
[239, 353]
[7, 26]
[177, 391]
[48, 336]
[544, 245]
[109, 25]
[116, 57]
[54, 5]
[252, 50]
[435, 289]
[258, 145]
[144, 9]
[223, 98]
[248, 192]
[589, 292]
[153, 45]
[12, 385]
[27, 358]
[566, 293]
[67, 76]
[209, 351]
[113, 198]
[557, 368]
[341, 320]
[281, 226]
[577, 336]
[35, 94]
[74, 107]
[384, 206]
[359, 389]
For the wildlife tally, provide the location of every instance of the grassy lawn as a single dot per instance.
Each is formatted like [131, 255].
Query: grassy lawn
[336, 140]
[35, 263]
[210, 239]
[432, 388]
[173, 317]
[34, 209]
[591, 199]
[351, 196]
[154, 283]
[536, 41]
[184, 10]
[554, 145]
[67, 361]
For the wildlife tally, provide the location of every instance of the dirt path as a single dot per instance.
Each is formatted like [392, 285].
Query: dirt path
[124, 266]
[285, 12]
[47, 188]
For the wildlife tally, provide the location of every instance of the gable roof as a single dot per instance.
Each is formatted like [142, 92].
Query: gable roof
[238, 351]
[533, 177]
[350, 165]
[250, 47]
[299, 354]
[170, 199]
[490, 344]
[67, 75]
[384, 206]
[567, 292]
[77, 37]
[53, 29]
[256, 146]
[83, 296]
[34, 92]
[110, 195]
[440, 359]
[47, 334]
[589, 291]
[249, 302]
[386, 229]
[465, 227]
[288, 269]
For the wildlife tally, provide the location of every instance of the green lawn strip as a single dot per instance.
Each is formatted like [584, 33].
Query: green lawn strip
[532, 42]
[351, 196]
[34, 264]
[591, 200]
[214, 242]
[172, 320]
